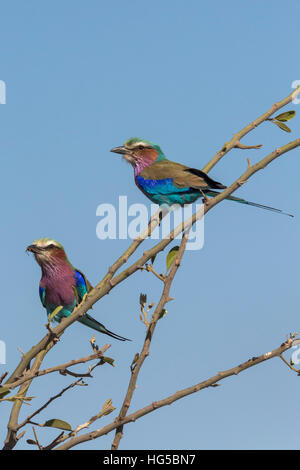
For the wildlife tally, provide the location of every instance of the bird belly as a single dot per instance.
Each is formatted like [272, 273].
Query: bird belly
[66, 311]
[165, 192]
[60, 293]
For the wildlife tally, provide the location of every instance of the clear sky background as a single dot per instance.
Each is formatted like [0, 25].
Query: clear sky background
[83, 77]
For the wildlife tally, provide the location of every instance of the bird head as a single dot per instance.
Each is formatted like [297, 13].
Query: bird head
[46, 251]
[139, 152]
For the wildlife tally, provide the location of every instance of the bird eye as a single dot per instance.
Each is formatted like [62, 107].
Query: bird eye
[141, 147]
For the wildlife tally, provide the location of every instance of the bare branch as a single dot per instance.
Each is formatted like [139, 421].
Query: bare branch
[21, 376]
[238, 145]
[108, 282]
[62, 368]
[239, 135]
[12, 427]
[106, 410]
[36, 438]
[254, 361]
[29, 418]
[149, 335]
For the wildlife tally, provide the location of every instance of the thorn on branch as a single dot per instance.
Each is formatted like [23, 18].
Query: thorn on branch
[53, 335]
[20, 350]
[247, 147]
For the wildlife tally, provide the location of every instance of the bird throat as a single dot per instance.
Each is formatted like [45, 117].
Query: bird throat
[148, 158]
[55, 268]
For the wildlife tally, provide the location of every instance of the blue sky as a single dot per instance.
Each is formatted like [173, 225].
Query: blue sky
[83, 77]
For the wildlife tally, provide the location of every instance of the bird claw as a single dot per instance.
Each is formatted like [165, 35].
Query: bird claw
[84, 297]
[205, 199]
[52, 333]
[54, 313]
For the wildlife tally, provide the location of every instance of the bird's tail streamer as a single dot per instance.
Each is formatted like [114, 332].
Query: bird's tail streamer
[92, 323]
[249, 203]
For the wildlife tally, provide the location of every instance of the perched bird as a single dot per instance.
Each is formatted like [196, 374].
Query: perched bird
[61, 284]
[165, 182]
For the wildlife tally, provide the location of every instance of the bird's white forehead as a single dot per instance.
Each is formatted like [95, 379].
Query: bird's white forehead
[44, 242]
[136, 144]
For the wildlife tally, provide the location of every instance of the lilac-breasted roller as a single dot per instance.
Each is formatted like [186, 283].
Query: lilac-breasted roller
[61, 284]
[165, 182]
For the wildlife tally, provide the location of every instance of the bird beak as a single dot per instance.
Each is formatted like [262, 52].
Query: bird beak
[33, 249]
[121, 150]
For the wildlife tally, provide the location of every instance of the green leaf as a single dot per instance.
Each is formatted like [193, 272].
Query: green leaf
[171, 256]
[282, 126]
[109, 360]
[283, 117]
[58, 423]
[107, 408]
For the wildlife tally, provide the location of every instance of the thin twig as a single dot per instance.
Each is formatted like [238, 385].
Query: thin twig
[235, 141]
[36, 438]
[62, 368]
[109, 282]
[238, 145]
[29, 418]
[111, 279]
[254, 361]
[149, 335]
[12, 426]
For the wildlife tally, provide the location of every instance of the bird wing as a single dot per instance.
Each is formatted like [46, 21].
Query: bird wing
[82, 285]
[182, 176]
[42, 292]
